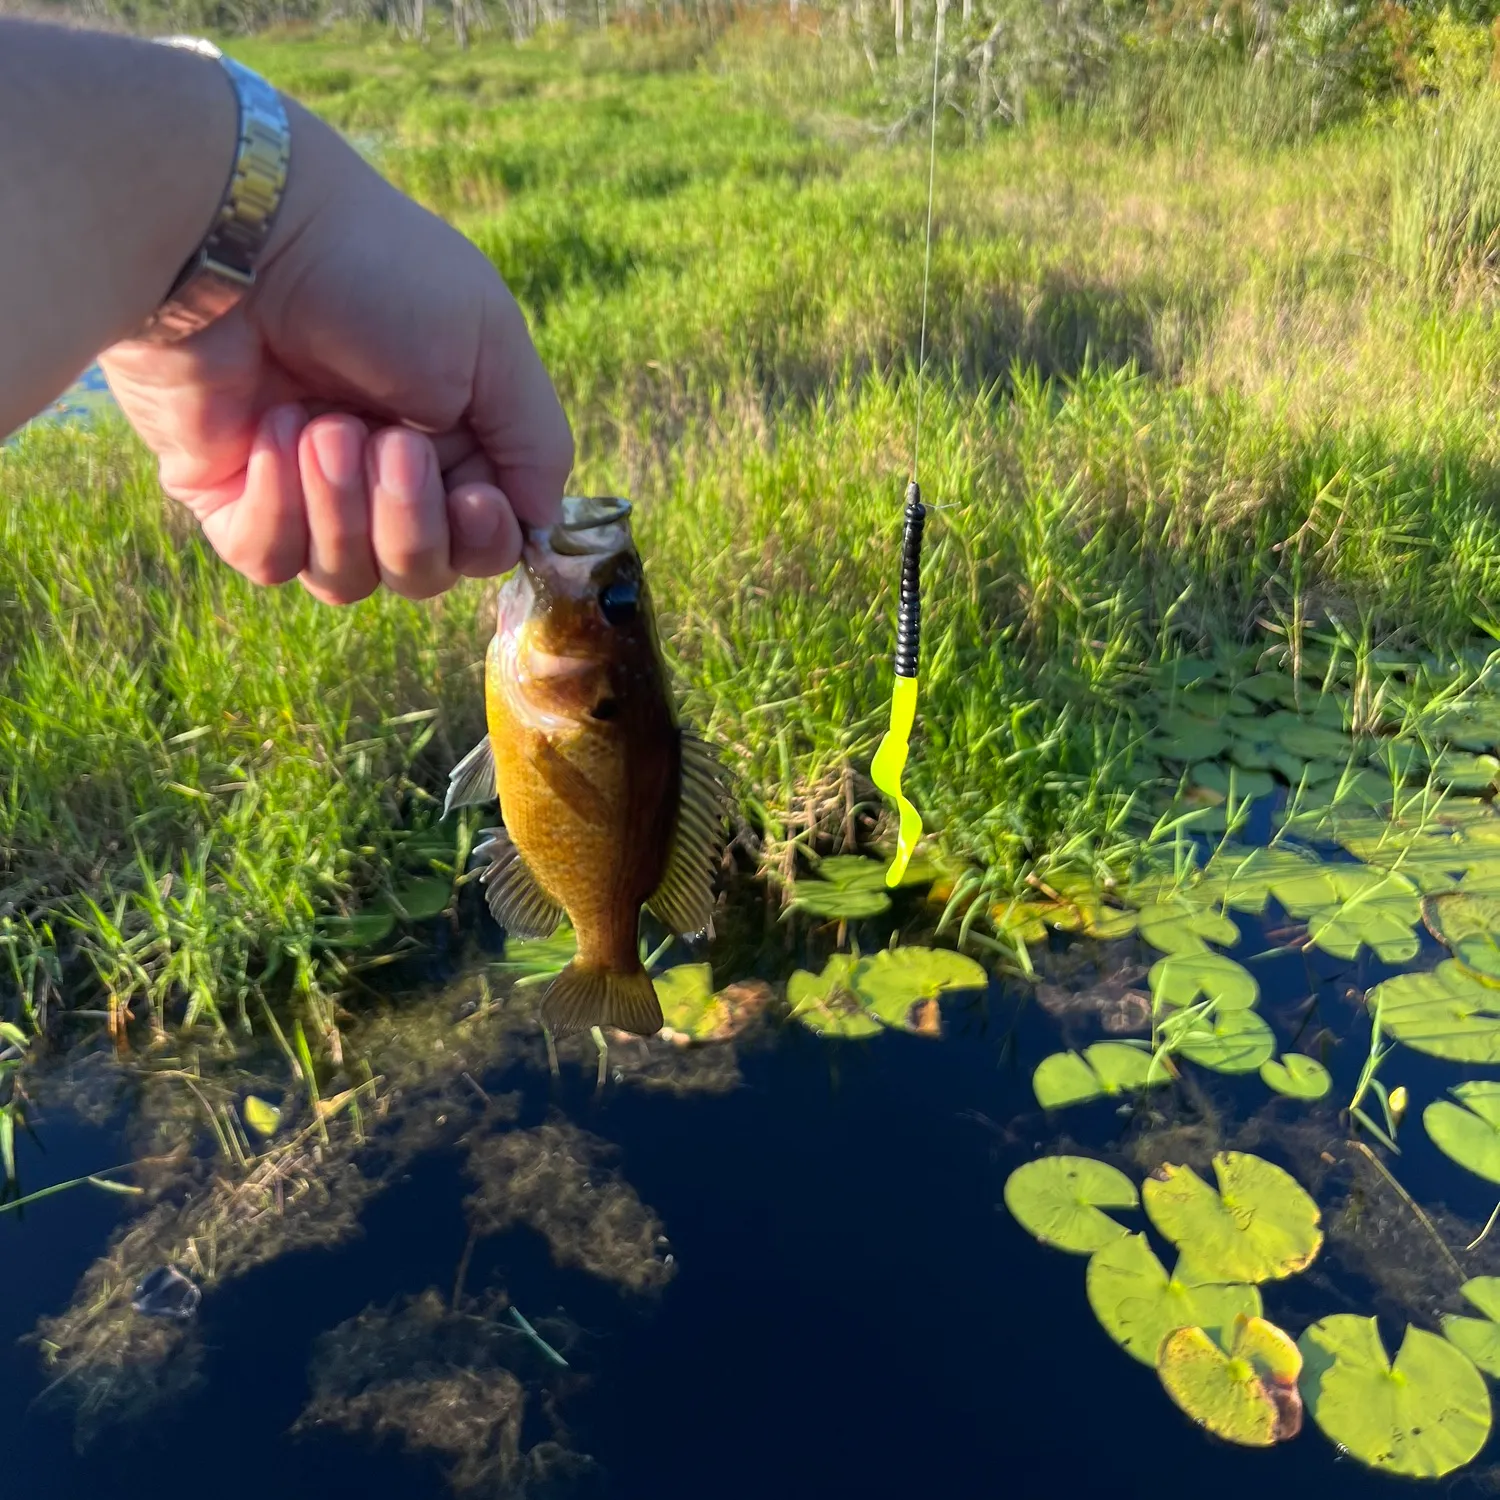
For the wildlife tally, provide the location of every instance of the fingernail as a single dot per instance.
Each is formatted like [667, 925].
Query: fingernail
[340, 453]
[403, 465]
[476, 516]
[286, 427]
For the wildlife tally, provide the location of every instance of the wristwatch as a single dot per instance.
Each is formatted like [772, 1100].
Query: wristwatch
[222, 269]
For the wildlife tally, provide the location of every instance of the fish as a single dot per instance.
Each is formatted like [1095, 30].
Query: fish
[609, 804]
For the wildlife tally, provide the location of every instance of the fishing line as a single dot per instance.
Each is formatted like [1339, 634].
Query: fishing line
[890, 757]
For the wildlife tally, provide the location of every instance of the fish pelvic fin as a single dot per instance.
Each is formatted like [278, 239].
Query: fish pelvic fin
[516, 899]
[472, 780]
[582, 997]
[684, 901]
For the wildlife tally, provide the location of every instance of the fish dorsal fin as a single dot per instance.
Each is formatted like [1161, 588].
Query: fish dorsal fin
[473, 778]
[515, 899]
[684, 900]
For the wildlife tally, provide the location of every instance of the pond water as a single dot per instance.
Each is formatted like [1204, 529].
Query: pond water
[777, 1262]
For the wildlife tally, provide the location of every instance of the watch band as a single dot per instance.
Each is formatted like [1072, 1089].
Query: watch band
[222, 269]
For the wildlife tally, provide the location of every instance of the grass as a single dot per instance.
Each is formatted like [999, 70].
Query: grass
[1185, 394]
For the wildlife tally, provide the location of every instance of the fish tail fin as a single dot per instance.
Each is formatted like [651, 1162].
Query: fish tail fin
[582, 997]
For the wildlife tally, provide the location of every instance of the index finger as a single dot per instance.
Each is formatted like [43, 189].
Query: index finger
[516, 416]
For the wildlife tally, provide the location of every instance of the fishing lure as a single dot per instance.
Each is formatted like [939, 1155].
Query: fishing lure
[895, 745]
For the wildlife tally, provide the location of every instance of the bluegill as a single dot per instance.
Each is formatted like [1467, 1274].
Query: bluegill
[609, 804]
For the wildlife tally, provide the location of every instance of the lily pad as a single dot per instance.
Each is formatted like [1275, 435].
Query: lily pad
[1297, 1075]
[1183, 979]
[1247, 1396]
[1469, 925]
[1244, 879]
[1231, 781]
[1104, 1070]
[1186, 737]
[1469, 1132]
[421, 899]
[827, 1003]
[1479, 1338]
[363, 931]
[1139, 1304]
[1461, 772]
[821, 898]
[895, 980]
[1313, 741]
[1260, 1226]
[1182, 927]
[1384, 924]
[1060, 1200]
[685, 993]
[264, 1119]
[1447, 1012]
[1231, 1041]
[539, 955]
[1423, 1416]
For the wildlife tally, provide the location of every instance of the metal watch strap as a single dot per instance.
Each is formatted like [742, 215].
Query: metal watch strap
[222, 269]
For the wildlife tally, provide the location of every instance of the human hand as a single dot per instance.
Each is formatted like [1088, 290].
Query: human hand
[374, 411]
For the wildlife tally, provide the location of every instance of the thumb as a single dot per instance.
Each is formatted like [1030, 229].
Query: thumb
[516, 416]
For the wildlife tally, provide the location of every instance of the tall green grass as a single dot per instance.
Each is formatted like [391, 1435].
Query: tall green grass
[1182, 396]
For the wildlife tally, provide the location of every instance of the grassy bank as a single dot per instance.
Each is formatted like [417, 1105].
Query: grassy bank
[1186, 396]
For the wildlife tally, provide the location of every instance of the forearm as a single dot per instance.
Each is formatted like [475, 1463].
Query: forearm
[114, 154]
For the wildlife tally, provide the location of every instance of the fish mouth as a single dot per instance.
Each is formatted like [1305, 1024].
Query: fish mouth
[591, 526]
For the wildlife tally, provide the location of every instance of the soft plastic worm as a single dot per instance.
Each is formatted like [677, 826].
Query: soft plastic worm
[890, 758]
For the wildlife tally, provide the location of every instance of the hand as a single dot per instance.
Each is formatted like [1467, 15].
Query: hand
[373, 412]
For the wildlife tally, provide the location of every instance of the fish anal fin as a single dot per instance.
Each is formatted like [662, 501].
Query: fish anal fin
[684, 901]
[516, 900]
[472, 780]
[582, 997]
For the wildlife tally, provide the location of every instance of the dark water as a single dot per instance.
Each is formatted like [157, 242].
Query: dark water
[853, 1309]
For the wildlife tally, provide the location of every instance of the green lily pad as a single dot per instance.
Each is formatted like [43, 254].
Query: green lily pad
[1313, 741]
[264, 1119]
[1297, 1075]
[686, 995]
[1469, 1132]
[1018, 919]
[1461, 772]
[1479, 1338]
[421, 899]
[1448, 1012]
[1469, 924]
[1186, 737]
[1183, 979]
[894, 980]
[1231, 1041]
[539, 955]
[1244, 879]
[1104, 1070]
[363, 931]
[821, 898]
[827, 1003]
[1261, 1225]
[1060, 1199]
[1231, 781]
[1270, 687]
[1181, 927]
[1247, 1396]
[1384, 924]
[1423, 1416]
[1139, 1304]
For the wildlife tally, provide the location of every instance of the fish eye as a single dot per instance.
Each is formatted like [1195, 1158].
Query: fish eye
[619, 600]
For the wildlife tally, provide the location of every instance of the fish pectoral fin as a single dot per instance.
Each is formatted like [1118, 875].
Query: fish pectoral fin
[472, 780]
[581, 997]
[516, 900]
[684, 901]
